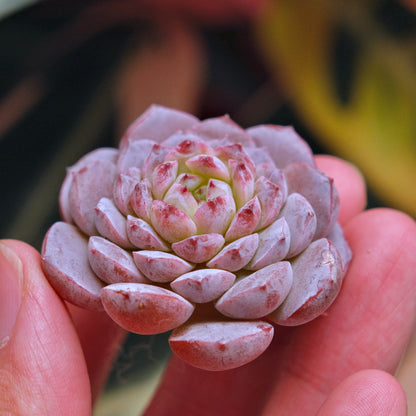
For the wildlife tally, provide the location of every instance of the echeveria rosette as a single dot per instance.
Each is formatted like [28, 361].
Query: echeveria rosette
[203, 228]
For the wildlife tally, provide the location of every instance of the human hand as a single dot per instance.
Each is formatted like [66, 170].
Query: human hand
[56, 352]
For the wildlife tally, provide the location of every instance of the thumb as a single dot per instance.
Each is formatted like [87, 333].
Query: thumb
[42, 368]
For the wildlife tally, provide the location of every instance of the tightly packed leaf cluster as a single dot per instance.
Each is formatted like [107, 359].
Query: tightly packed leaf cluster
[203, 228]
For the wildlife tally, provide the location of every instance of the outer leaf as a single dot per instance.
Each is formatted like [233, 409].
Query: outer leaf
[65, 264]
[145, 309]
[203, 285]
[317, 279]
[111, 263]
[223, 345]
[258, 294]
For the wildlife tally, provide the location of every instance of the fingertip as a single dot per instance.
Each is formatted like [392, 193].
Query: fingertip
[384, 235]
[366, 393]
[349, 182]
[22, 249]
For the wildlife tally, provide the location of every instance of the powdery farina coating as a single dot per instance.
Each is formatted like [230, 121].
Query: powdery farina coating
[203, 228]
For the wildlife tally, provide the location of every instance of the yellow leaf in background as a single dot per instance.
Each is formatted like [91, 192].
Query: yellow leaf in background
[376, 127]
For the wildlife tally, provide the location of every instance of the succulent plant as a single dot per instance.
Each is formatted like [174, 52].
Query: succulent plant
[200, 227]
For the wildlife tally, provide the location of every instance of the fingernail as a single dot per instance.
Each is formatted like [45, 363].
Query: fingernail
[11, 279]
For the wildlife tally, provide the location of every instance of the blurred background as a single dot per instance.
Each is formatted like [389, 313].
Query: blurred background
[74, 74]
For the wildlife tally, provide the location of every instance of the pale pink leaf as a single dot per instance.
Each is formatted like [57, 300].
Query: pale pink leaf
[215, 215]
[285, 146]
[103, 153]
[190, 180]
[319, 190]
[236, 255]
[156, 157]
[111, 263]
[301, 220]
[180, 197]
[158, 123]
[258, 294]
[89, 184]
[242, 182]
[245, 220]
[159, 266]
[163, 176]
[65, 264]
[143, 236]
[271, 198]
[219, 346]
[123, 188]
[317, 279]
[216, 188]
[171, 223]
[236, 152]
[337, 237]
[111, 224]
[141, 199]
[199, 248]
[145, 309]
[133, 154]
[185, 145]
[209, 166]
[274, 243]
[217, 128]
[203, 285]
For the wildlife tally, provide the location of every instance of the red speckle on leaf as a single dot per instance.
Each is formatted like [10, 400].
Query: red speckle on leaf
[235, 254]
[307, 302]
[126, 295]
[222, 346]
[265, 328]
[169, 210]
[214, 204]
[211, 185]
[185, 147]
[243, 172]
[164, 169]
[246, 215]
[207, 161]
[193, 243]
[271, 300]
[82, 170]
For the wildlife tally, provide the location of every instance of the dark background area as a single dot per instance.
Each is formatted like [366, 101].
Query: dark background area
[62, 77]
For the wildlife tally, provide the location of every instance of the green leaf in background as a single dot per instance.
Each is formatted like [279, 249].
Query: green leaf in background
[8, 7]
[367, 116]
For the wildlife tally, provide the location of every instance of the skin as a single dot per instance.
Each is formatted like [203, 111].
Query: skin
[58, 356]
